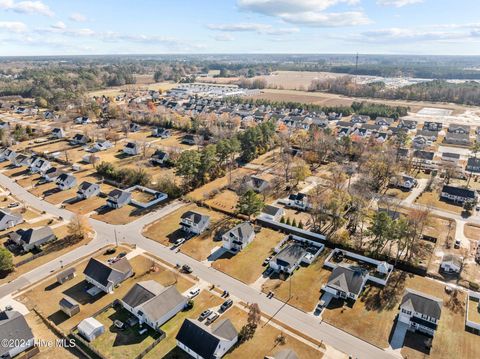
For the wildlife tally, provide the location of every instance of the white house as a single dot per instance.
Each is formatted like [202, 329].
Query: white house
[420, 311]
[106, 277]
[51, 174]
[159, 157]
[451, 263]
[272, 213]
[9, 219]
[458, 194]
[298, 201]
[39, 165]
[346, 282]
[87, 190]
[82, 120]
[32, 238]
[203, 342]
[238, 237]
[16, 332]
[101, 145]
[118, 198]
[66, 181]
[404, 181]
[288, 259]
[58, 132]
[90, 328]
[131, 149]
[194, 222]
[79, 139]
[152, 303]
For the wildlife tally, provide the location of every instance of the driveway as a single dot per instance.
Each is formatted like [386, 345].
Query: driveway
[399, 335]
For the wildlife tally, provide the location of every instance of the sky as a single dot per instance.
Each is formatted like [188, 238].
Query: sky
[87, 27]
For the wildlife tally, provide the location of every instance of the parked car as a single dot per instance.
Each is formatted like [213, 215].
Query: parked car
[268, 272]
[212, 317]
[227, 304]
[179, 242]
[193, 293]
[204, 314]
[119, 324]
[121, 255]
[142, 331]
[110, 251]
[186, 268]
[457, 244]
[267, 260]
[13, 205]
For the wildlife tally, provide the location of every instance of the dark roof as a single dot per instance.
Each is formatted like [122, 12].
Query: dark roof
[297, 197]
[347, 279]
[195, 217]
[290, 254]
[32, 236]
[101, 272]
[202, 339]
[473, 164]
[66, 273]
[13, 326]
[422, 303]
[68, 302]
[459, 192]
[142, 292]
[241, 231]
[85, 185]
[424, 155]
[272, 210]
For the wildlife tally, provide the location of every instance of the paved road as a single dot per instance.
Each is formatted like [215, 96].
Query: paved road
[131, 233]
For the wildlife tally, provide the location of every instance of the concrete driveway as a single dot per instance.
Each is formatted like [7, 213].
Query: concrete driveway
[399, 335]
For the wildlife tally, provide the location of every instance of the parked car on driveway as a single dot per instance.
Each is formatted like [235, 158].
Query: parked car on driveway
[212, 317]
[193, 293]
[227, 304]
[186, 268]
[205, 314]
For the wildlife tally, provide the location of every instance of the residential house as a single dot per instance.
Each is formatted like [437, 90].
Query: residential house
[66, 181]
[384, 121]
[458, 195]
[407, 124]
[58, 132]
[451, 263]
[473, 165]
[429, 135]
[433, 126]
[458, 139]
[404, 182]
[69, 306]
[101, 145]
[90, 328]
[298, 201]
[9, 219]
[346, 282]
[8, 155]
[238, 237]
[39, 165]
[32, 238]
[87, 190]
[118, 198]
[66, 275]
[159, 157]
[272, 213]
[82, 120]
[420, 142]
[420, 312]
[360, 119]
[456, 128]
[288, 259]
[161, 132]
[203, 342]
[14, 330]
[134, 127]
[49, 115]
[190, 139]
[4, 125]
[194, 222]
[423, 159]
[131, 149]
[22, 160]
[106, 277]
[152, 303]
[51, 174]
[79, 139]
[450, 158]
[258, 184]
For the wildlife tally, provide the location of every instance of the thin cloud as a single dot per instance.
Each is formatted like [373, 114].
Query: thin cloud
[398, 3]
[13, 26]
[27, 7]
[252, 27]
[77, 17]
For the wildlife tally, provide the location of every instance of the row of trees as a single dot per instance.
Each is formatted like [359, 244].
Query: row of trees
[125, 176]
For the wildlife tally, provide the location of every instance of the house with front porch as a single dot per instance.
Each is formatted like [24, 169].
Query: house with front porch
[420, 312]
[238, 237]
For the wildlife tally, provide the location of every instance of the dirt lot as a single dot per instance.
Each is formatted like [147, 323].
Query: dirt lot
[304, 285]
[225, 201]
[123, 215]
[45, 296]
[251, 257]
[380, 306]
[87, 205]
[472, 232]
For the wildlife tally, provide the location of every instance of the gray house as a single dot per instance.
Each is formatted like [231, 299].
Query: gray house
[66, 181]
[238, 237]
[194, 222]
[106, 277]
[420, 312]
[22, 160]
[159, 157]
[32, 238]
[288, 259]
[79, 139]
[9, 219]
[152, 303]
[87, 190]
[51, 174]
[58, 132]
[118, 198]
[346, 282]
[66, 275]
[14, 329]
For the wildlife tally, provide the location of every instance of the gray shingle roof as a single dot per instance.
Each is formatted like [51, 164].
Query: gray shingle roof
[347, 279]
[13, 326]
[422, 303]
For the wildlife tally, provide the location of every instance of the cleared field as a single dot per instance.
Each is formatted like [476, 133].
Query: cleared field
[87, 205]
[251, 257]
[226, 201]
[123, 215]
[472, 232]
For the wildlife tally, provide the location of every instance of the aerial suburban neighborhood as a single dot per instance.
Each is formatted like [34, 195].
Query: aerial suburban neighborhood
[230, 202]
